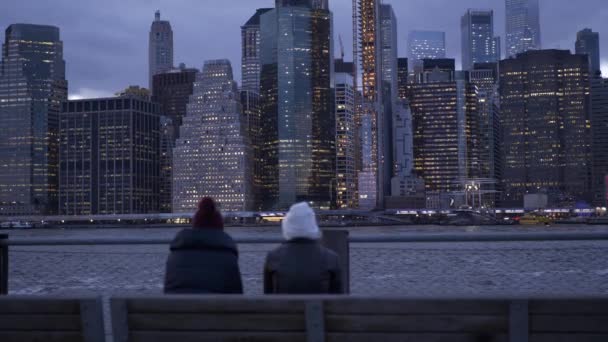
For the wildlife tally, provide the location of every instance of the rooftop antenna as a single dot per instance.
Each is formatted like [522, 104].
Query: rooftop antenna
[157, 15]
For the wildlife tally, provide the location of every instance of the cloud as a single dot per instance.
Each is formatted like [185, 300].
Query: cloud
[604, 67]
[89, 93]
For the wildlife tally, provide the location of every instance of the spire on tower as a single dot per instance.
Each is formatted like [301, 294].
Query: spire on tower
[157, 15]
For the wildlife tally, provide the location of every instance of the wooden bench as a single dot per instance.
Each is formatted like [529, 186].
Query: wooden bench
[293, 319]
[44, 319]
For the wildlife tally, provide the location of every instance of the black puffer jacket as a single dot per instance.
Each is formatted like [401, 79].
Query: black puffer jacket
[302, 266]
[203, 261]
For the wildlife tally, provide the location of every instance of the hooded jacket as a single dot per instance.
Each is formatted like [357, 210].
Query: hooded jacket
[203, 261]
[301, 265]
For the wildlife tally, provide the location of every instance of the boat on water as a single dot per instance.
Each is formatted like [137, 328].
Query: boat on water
[535, 220]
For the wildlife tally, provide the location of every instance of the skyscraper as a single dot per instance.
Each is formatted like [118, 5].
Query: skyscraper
[374, 119]
[522, 26]
[546, 129]
[424, 45]
[250, 57]
[588, 43]
[485, 77]
[298, 126]
[252, 119]
[599, 129]
[478, 42]
[167, 143]
[444, 111]
[32, 87]
[402, 77]
[172, 90]
[212, 155]
[160, 48]
[388, 32]
[109, 156]
[346, 175]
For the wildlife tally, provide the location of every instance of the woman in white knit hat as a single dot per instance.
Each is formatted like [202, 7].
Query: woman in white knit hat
[301, 265]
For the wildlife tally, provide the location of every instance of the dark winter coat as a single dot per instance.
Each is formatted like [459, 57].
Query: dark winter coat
[203, 261]
[302, 266]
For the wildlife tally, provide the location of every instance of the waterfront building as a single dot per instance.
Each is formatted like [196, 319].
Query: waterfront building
[485, 77]
[444, 111]
[375, 107]
[599, 126]
[167, 143]
[479, 45]
[109, 156]
[544, 115]
[32, 88]
[160, 48]
[172, 91]
[212, 155]
[588, 43]
[522, 26]
[298, 123]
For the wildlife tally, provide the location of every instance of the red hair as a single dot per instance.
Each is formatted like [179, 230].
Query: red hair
[207, 215]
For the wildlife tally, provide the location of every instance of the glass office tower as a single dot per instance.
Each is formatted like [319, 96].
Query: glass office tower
[32, 88]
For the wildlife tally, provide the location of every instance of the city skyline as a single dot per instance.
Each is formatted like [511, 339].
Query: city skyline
[114, 61]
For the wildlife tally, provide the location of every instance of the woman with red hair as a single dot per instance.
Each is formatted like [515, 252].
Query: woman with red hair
[203, 259]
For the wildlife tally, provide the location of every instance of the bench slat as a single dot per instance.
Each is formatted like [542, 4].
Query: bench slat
[413, 337]
[34, 305]
[568, 307]
[561, 323]
[185, 305]
[413, 323]
[40, 322]
[392, 306]
[568, 338]
[40, 336]
[216, 322]
[197, 336]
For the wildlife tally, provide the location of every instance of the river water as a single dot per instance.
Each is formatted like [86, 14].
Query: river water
[413, 269]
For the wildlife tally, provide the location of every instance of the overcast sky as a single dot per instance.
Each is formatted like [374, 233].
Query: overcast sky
[106, 41]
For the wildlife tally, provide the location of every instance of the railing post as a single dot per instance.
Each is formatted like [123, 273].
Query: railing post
[337, 241]
[3, 264]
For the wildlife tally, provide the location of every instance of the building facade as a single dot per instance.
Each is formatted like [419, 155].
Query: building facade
[109, 156]
[212, 154]
[250, 52]
[402, 77]
[522, 26]
[375, 105]
[444, 111]
[32, 88]
[252, 119]
[479, 45]
[588, 43]
[167, 143]
[485, 77]
[599, 125]
[424, 45]
[298, 124]
[172, 90]
[160, 48]
[544, 117]
[346, 173]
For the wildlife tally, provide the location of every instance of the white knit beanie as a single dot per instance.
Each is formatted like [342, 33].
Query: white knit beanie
[300, 222]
